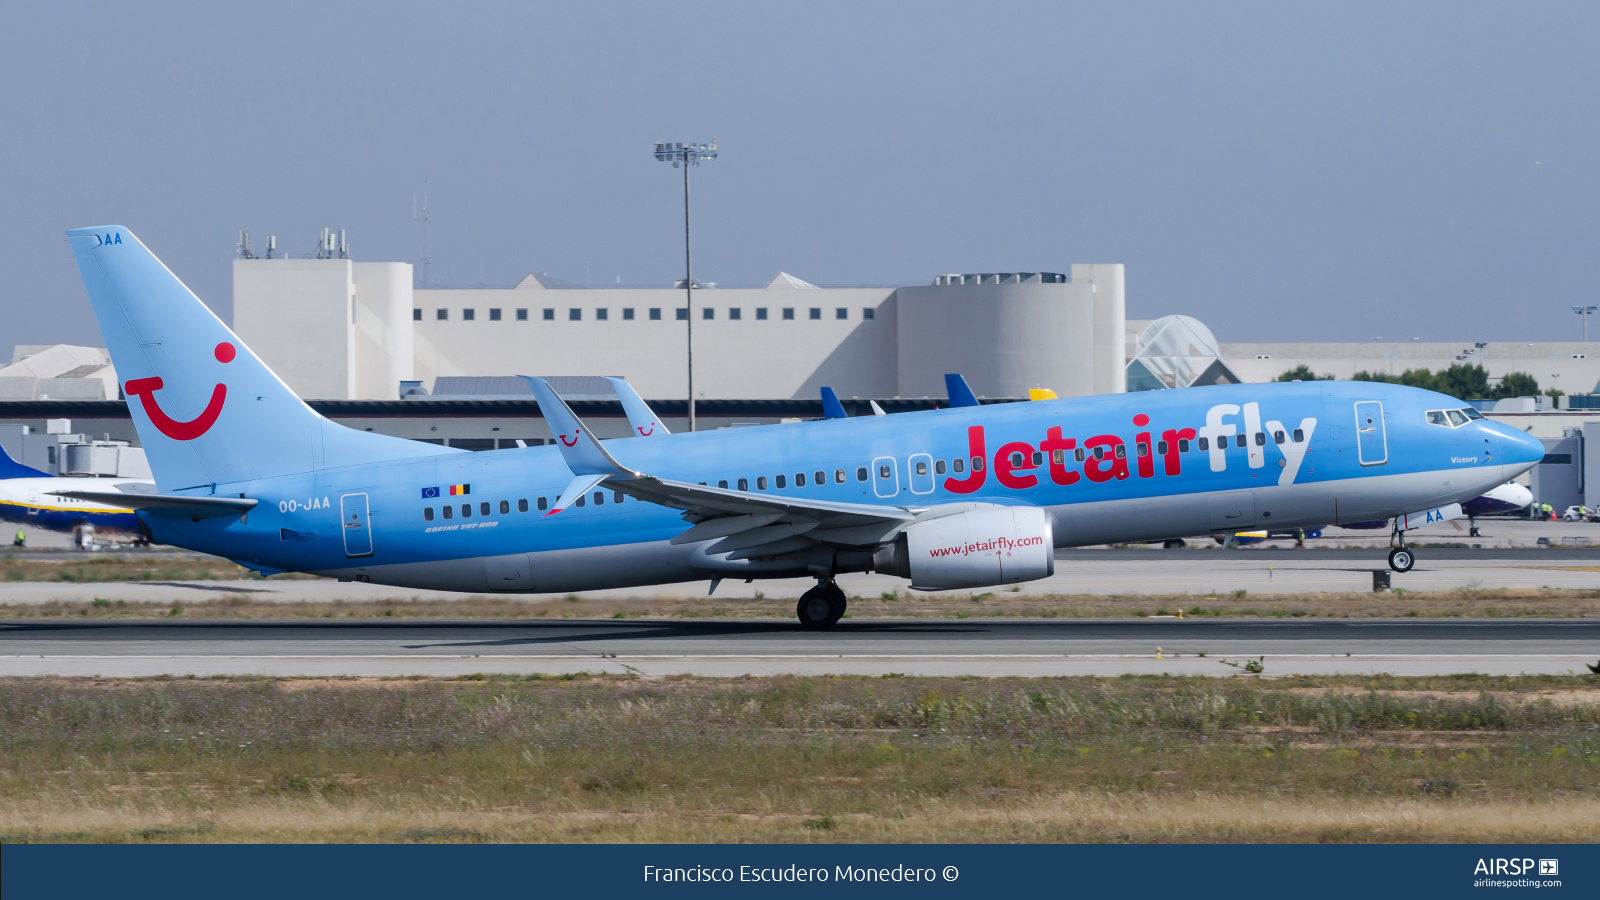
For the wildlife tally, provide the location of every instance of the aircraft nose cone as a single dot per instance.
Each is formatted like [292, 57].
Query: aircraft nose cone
[1518, 448]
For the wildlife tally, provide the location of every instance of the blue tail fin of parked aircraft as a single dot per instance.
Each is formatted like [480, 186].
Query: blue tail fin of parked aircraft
[208, 410]
[10, 468]
[960, 393]
[831, 407]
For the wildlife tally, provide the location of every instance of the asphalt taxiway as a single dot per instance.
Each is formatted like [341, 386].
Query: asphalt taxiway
[765, 647]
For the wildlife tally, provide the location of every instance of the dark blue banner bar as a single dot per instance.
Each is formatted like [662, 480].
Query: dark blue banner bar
[403, 871]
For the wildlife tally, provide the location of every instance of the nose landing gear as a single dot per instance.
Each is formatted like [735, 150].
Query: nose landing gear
[1401, 559]
[821, 607]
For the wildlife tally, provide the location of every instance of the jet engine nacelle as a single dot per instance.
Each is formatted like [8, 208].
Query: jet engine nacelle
[980, 548]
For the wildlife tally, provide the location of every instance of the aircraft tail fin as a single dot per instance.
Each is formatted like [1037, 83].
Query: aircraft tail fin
[10, 468]
[208, 410]
[960, 394]
[641, 418]
[831, 407]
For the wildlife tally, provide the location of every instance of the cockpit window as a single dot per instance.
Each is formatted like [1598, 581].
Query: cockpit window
[1437, 417]
[1457, 418]
[1472, 413]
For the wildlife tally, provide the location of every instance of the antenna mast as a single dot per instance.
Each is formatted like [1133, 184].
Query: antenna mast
[423, 218]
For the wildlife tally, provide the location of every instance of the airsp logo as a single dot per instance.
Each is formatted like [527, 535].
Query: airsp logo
[1549, 867]
[1515, 867]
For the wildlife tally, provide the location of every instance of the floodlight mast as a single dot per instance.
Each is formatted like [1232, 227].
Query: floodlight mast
[684, 156]
[1585, 311]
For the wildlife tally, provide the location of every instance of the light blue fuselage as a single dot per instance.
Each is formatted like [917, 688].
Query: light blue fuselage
[1344, 470]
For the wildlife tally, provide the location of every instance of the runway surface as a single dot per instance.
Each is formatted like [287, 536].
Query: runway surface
[1194, 573]
[764, 647]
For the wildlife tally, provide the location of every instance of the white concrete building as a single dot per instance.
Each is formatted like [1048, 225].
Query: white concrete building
[336, 329]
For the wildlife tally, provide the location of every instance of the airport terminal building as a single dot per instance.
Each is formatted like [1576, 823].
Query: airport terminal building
[335, 329]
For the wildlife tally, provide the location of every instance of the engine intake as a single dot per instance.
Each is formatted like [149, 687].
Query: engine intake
[981, 548]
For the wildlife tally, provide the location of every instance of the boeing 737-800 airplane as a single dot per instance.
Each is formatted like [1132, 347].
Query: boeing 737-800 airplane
[965, 497]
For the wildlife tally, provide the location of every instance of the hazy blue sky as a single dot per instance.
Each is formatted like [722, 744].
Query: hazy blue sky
[1282, 171]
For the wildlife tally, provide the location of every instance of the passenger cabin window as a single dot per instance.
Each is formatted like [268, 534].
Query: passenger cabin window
[522, 505]
[542, 504]
[1161, 448]
[799, 479]
[884, 471]
[781, 481]
[1239, 440]
[1183, 445]
[1205, 444]
[1277, 437]
[466, 510]
[938, 467]
[1038, 458]
[959, 465]
[1099, 453]
[616, 496]
[1016, 463]
[861, 473]
[449, 511]
[744, 484]
[838, 476]
[977, 464]
[505, 507]
[599, 498]
[1058, 456]
[1142, 448]
[427, 514]
[1261, 439]
[1122, 451]
[922, 467]
[580, 501]
[483, 508]
[761, 482]
[819, 478]
[1078, 454]
[1299, 436]
[723, 483]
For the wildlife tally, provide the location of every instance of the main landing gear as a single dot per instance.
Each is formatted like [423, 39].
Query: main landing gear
[821, 607]
[1401, 559]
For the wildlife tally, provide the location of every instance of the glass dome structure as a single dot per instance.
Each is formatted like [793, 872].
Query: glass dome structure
[1175, 352]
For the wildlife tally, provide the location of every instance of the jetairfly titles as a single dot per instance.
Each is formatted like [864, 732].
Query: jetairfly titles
[237, 456]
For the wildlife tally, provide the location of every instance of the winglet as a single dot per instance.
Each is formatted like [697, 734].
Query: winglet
[831, 407]
[575, 489]
[641, 418]
[960, 393]
[579, 449]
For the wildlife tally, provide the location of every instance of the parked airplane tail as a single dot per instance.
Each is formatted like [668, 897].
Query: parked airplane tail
[10, 468]
[207, 409]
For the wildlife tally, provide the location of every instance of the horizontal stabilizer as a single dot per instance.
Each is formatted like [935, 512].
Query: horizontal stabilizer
[960, 393]
[831, 407]
[876, 409]
[168, 504]
[575, 489]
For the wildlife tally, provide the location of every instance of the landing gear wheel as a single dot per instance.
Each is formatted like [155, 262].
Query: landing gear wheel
[821, 607]
[1176, 544]
[1401, 560]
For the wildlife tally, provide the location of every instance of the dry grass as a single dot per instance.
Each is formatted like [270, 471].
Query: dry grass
[1464, 758]
[154, 566]
[1507, 602]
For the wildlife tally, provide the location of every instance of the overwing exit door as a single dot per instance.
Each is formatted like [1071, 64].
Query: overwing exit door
[1372, 443]
[354, 526]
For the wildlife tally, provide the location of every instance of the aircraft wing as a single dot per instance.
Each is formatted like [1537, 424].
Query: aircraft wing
[168, 504]
[747, 522]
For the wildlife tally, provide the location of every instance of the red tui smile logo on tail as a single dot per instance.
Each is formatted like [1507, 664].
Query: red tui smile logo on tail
[145, 388]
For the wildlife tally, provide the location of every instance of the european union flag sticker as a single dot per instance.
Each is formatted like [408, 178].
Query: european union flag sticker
[430, 493]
